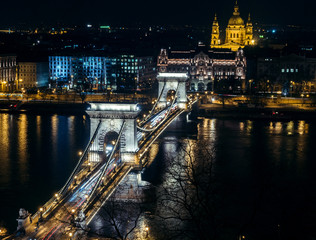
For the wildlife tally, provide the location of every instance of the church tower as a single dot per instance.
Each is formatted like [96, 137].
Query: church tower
[215, 33]
[249, 33]
[238, 34]
[235, 31]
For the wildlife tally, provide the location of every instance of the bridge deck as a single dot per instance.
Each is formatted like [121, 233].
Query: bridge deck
[59, 223]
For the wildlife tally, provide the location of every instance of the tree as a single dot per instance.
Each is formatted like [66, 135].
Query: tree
[187, 199]
[120, 216]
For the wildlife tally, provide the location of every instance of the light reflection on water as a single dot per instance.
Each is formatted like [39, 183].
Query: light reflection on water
[249, 154]
[38, 153]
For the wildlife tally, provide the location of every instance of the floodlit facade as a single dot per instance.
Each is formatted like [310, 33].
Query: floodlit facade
[289, 75]
[133, 72]
[238, 35]
[8, 72]
[32, 75]
[100, 73]
[208, 70]
[73, 72]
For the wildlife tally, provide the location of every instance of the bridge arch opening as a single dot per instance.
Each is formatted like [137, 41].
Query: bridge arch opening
[171, 94]
[110, 139]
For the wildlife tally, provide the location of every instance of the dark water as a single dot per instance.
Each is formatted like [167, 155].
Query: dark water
[266, 170]
[37, 153]
[266, 173]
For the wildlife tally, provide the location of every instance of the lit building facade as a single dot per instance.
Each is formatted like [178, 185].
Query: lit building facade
[208, 70]
[78, 72]
[100, 73]
[238, 34]
[8, 72]
[289, 75]
[133, 72]
[32, 75]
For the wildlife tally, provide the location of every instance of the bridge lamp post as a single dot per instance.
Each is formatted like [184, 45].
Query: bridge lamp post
[89, 167]
[79, 153]
[147, 231]
[114, 167]
[41, 214]
[75, 183]
[70, 235]
[57, 197]
[102, 182]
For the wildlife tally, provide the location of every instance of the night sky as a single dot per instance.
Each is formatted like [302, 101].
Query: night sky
[198, 12]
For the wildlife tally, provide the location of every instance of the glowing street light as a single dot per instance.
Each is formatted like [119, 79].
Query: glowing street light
[147, 231]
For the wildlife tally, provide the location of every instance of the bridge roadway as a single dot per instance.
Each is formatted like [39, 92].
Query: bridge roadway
[58, 223]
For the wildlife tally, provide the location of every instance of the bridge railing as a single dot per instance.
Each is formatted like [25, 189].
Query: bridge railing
[107, 191]
[165, 117]
[49, 205]
[155, 134]
[153, 108]
[82, 159]
[106, 166]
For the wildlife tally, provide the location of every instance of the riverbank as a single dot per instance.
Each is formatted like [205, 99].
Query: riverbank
[269, 113]
[38, 106]
[61, 107]
[202, 110]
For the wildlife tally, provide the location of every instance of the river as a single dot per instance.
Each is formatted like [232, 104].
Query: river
[266, 169]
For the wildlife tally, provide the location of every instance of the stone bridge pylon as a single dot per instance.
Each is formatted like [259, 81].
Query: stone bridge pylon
[113, 117]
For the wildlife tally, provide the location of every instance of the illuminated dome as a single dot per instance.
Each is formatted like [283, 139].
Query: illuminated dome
[236, 19]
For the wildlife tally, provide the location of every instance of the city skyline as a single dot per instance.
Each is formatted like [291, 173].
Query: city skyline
[142, 12]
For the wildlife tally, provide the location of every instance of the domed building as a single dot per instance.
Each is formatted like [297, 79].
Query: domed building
[238, 35]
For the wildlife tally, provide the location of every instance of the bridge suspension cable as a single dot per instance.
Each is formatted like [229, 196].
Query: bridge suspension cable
[105, 167]
[158, 99]
[152, 129]
[81, 160]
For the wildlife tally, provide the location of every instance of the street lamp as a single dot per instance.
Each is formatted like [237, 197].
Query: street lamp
[147, 231]
[17, 83]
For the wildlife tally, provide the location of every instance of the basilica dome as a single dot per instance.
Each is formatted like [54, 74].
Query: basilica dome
[236, 20]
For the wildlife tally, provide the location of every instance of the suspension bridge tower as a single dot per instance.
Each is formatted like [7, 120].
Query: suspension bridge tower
[114, 119]
[172, 81]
